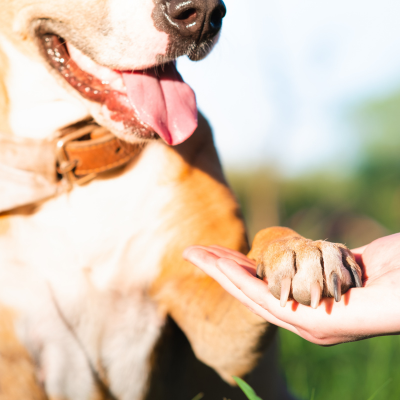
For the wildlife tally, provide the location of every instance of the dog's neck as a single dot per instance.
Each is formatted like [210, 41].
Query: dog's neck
[33, 104]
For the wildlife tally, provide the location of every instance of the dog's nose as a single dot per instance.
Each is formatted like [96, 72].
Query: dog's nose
[197, 18]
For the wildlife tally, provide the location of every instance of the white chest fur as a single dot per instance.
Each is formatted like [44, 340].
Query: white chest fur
[78, 270]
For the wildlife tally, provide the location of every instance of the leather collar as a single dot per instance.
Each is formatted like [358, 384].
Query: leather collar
[33, 170]
[83, 152]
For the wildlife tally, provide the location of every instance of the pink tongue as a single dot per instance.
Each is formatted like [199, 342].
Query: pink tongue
[163, 101]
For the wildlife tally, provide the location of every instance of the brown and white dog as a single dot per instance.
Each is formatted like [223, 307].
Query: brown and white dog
[96, 301]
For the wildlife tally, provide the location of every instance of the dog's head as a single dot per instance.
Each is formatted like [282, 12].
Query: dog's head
[119, 55]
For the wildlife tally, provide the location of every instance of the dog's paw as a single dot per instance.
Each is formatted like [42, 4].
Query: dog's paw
[300, 269]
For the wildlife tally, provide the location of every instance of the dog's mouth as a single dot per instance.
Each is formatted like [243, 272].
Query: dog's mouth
[149, 103]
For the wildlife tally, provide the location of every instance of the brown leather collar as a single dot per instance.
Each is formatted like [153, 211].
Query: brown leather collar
[87, 151]
[34, 170]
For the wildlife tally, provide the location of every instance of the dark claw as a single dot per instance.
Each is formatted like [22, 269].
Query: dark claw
[356, 277]
[260, 272]
[336, 287]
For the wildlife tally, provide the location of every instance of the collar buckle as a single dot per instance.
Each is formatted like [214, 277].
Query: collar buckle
[66, 166]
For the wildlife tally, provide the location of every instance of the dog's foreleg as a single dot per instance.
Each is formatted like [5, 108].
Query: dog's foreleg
[223, 333]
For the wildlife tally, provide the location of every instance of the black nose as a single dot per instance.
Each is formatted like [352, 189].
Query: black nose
[197, 18]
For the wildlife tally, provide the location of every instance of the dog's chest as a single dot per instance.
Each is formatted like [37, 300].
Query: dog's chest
[115, 230]
[78, 273]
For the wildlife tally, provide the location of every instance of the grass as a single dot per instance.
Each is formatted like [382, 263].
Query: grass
[367, 370]
[349, 376]
[380, 389]
[247, 390]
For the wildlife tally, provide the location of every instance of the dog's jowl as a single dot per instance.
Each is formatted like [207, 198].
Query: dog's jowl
[107, 173]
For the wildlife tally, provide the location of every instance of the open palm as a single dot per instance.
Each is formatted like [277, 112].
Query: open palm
[372, 310]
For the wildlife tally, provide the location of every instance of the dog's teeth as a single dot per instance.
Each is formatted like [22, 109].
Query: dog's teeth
[118, 85]
[336, 286]
[285, 290]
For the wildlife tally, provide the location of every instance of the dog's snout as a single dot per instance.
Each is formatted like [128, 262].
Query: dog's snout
[197, 18]
[192, 26]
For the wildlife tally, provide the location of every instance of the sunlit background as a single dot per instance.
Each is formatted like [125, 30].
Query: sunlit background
[304, 100]
[285, 74]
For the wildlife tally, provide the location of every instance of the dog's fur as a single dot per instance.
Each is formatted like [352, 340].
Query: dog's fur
[96, 301]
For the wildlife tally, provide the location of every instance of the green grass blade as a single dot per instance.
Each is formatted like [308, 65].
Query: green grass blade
[247, 390]
[199, 396]
[313, 394]
[380, 388]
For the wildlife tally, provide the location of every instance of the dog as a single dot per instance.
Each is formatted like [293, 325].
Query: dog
[107, 173]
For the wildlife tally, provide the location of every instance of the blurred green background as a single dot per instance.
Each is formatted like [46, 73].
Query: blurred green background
[353, 207]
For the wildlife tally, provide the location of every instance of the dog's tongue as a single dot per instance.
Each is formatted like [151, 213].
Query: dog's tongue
[163, 101]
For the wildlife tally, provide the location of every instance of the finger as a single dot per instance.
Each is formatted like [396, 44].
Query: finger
[240, 258]
[225, 253]
[243, 275]
[359, 250]
[207, 262]
[225, 250]
[200, 257]
[302, 320]
[318, 326]
[257, 291]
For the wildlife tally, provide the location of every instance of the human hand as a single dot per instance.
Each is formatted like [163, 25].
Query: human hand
[373, 310]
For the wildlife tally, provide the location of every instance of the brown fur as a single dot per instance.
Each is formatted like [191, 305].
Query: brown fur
[222, 332]
[282, 253]
[206, 328]
[4, 128]
[212, 216]
[17, 371]
[4, 225]
[265, 237]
